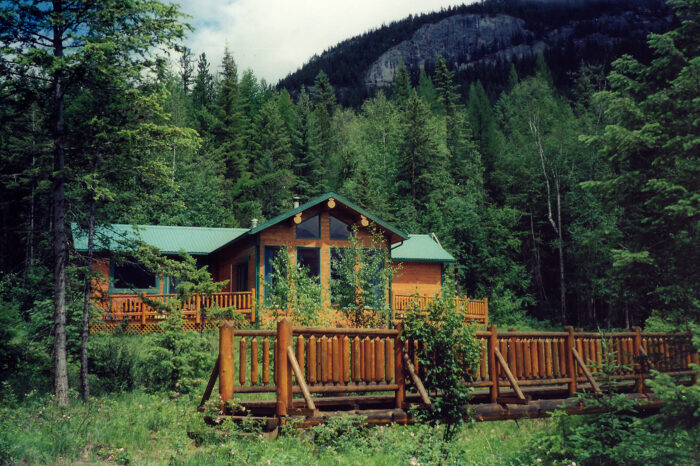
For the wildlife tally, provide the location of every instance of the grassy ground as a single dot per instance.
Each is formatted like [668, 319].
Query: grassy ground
[140, 428]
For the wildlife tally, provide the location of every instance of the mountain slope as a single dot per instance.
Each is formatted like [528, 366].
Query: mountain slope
[481, 41]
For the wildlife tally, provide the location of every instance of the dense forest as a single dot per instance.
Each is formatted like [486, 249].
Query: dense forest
[569, 208]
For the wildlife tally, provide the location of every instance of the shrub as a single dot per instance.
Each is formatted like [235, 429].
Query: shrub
[112, 360]
[447, 352]
[342, 433]
[174, 359]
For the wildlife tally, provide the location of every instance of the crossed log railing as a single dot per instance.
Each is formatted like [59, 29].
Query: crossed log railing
[347, 360]
[131, 306]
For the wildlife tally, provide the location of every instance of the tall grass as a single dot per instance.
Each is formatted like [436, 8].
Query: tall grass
[142, 428]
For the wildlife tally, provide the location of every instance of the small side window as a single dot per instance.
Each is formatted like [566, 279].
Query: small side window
[132, 276]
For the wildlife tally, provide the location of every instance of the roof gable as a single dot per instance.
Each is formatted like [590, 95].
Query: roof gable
[399, 234]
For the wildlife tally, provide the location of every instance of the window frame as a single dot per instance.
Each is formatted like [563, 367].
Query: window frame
[318, 221]
[330, 228]
[114, 290]
[318, 250]
[267, 280]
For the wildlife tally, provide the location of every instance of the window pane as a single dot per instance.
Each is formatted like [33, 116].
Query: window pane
[242, 276]
[310, 228]
[310, 258]
[270, 253]
[339, 229]
[133, 276]
[339, 289]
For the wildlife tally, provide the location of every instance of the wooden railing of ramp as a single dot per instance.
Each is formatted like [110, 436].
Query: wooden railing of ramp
[347, 360]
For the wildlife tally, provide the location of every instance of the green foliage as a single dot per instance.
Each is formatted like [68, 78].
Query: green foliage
[615, 435]
[362, 275]
[448, 352]
[293, 291]
[112, 361]
[341, 433]
[174, 359]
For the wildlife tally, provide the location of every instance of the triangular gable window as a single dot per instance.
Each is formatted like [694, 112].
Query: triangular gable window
[310, 228]
[339, 229]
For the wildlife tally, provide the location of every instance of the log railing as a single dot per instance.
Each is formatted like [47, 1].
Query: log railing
[341, 360]
[132, 307]
[476, 310]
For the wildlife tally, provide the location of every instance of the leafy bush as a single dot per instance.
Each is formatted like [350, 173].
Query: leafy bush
[361, 274]
[112, 360]
[341, 433]
[175, 359]
[447, 352]
[616, 436]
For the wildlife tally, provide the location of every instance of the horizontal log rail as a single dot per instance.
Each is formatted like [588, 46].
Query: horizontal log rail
[346, 360]
[476, 310]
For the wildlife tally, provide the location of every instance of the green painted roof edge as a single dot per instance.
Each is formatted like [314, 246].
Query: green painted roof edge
[317, 200]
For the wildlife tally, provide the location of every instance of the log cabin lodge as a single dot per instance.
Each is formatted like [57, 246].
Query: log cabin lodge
[312, 232]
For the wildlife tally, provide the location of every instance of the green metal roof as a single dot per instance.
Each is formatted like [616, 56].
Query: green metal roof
[421, 248]
[168, 239]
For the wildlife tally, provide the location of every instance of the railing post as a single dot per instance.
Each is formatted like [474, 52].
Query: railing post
[253, 307]
[493, 371]
[639, 369]
[398, 369]
[284, 374]
[143, 313]
[570, 360]
[225, 362]
[486, 311]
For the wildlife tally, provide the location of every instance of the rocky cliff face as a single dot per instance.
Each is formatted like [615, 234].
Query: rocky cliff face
[468, 40]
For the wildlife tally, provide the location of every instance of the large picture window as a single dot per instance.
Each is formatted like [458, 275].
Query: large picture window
[310, 228]
[132, 276]
[310, 259]
[339, 230]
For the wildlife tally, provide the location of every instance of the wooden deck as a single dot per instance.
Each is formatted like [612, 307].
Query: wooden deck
[129, 310]
[474, 310]
[139, 317]
[519, 373]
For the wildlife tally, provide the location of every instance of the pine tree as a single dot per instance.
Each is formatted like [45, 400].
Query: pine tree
[58, 41]
[401, 87]
[202, 97]
[651, 143]
[272, 170]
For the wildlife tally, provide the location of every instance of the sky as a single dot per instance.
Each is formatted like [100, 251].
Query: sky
[275, 37]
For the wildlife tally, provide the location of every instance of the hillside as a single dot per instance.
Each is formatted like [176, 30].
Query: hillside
[481, 41]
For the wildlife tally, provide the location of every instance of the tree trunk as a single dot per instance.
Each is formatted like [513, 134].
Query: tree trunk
[84, 382]
[59, 219]
[560, 236]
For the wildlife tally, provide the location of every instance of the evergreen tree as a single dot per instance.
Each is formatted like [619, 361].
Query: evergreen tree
[651, 142]
[272, 170]
[202, 97]
[58, 41]
[401, 87]
[420, 160]
[485, 131]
